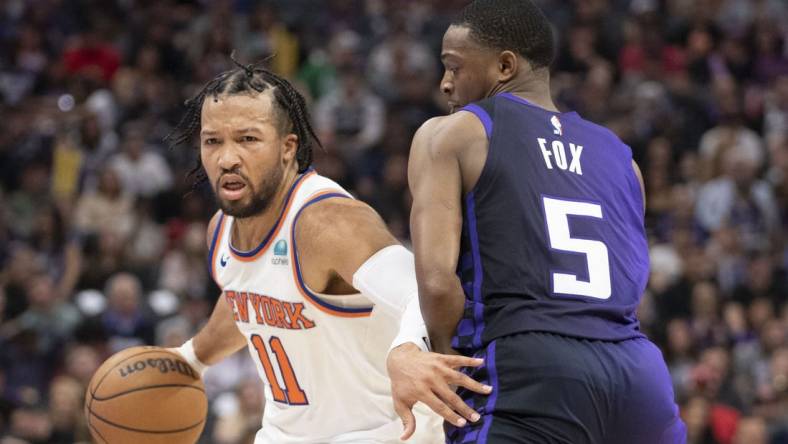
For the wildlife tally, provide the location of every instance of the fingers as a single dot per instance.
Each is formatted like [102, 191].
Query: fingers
[457, 404]
[462, 380]
[440, 408]
[454, 361]
[408, 420]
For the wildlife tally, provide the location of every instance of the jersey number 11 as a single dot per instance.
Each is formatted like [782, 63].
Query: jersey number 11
[292, 394]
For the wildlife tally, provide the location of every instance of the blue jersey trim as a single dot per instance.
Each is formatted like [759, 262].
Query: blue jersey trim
[478, 307]
[211, 250]
[492, 375]
[297, 267]
[252, 253]
[483, 117]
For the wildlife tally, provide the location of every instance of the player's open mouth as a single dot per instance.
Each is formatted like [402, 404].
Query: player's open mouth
[231, 187]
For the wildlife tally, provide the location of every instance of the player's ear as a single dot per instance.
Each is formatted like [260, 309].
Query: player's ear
[289, 148]
[507, 66]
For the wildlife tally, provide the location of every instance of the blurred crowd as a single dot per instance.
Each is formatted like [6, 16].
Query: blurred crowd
[102, 235]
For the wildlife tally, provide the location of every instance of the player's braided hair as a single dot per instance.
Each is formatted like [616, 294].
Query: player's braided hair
[516, 25]
[289, 105]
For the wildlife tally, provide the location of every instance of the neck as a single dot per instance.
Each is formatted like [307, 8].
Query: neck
[247, 232]
[534, 88]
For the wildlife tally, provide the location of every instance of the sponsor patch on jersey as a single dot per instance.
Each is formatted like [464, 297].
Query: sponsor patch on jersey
[280, 248]
[280, 253]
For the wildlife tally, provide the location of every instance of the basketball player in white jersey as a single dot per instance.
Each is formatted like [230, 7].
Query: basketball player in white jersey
[312, 281]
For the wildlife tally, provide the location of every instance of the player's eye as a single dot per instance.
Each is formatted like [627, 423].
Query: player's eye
[249, 139]
[211, 141]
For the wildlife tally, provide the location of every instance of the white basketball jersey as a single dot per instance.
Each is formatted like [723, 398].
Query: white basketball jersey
[322, 357]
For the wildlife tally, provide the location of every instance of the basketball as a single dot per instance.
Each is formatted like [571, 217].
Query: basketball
[146, 395]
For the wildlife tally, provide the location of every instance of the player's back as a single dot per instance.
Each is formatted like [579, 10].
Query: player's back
[553, 236]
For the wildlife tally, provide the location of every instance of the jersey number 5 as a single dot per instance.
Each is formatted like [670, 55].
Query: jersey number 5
[292, 393]
[557, 212]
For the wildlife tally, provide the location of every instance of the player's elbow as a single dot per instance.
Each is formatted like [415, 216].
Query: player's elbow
[437, 286]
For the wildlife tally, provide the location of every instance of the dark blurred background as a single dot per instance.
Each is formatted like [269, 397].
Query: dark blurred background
[102, 241]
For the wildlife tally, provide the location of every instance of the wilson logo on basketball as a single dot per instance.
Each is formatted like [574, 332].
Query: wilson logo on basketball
[164, 365]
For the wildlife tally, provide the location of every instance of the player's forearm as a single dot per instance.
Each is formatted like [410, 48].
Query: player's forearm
[442, 303]
[219, 338]
[388, 278]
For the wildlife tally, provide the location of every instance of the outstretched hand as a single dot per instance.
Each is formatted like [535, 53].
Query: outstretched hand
[427, 377]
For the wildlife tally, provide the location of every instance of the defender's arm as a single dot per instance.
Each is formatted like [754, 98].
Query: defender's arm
[435, 182]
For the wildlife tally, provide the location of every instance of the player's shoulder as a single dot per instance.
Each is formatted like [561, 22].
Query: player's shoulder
[462, 122]
[335, 217]
[451, 132]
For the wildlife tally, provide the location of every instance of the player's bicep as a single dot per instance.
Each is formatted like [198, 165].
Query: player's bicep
[435, 182]
[338, 235]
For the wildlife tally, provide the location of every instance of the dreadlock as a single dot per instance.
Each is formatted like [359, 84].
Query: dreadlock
[290, 108]
[516, 25]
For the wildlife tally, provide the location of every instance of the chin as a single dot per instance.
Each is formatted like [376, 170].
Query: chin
[240, 209]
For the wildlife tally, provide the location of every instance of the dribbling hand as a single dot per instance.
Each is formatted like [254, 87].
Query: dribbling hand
[428, 377]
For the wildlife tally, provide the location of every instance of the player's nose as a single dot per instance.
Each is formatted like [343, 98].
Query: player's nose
[447, 86]
[228, 158]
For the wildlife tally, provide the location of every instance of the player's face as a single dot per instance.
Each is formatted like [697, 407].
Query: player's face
[243, 152]
[470, 69]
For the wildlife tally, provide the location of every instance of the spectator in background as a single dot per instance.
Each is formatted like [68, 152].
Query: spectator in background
[730, 134]
[89, 55]
[146, 245]
[104, 256]
[51, 318]
[350, 119]
[240, 420]
[109, 208]
[177, 329]
[96, 146]
[706, 327]
[183, 267]
[23, 203]
[740, 200]
[29, 424]
[397, 60]
[66, 400]
[19, 271]
[80, 363]
[126, 322]
[30, 61]
[142, 170]
[61, 256]
[776, 112]
[679, 355]
[266, 35]
[751, 430]
[319, 70]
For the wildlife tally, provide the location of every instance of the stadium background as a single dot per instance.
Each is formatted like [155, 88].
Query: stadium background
[102, 244]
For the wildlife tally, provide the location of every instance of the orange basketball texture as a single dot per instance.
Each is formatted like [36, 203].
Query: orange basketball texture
[146, 395]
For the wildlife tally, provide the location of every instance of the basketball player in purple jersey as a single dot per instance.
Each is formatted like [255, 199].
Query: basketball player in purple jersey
[530, 249]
